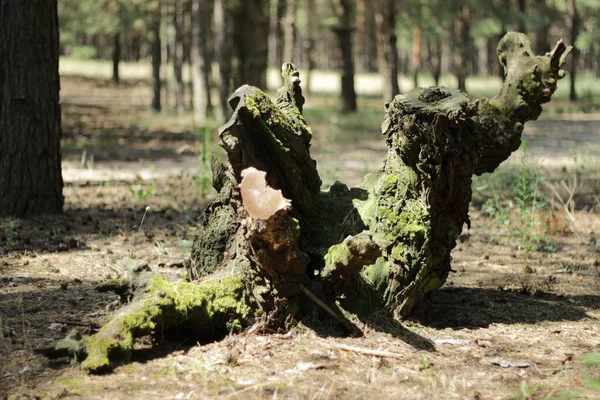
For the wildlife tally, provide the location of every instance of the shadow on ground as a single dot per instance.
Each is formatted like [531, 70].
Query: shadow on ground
[462, 307]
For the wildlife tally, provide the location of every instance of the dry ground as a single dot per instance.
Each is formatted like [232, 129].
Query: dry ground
[508, 323]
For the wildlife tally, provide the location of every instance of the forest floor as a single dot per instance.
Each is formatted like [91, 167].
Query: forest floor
[513, 321]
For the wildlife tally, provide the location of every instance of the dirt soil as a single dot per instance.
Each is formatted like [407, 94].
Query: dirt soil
[507, 324]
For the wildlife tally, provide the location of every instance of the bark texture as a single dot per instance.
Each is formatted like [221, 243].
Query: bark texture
[30, 171]
[271, 242]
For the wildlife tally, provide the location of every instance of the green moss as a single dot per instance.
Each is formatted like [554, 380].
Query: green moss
[339, 254]
[407, 225]
[212, 306]
[101, 350]
[488, 109]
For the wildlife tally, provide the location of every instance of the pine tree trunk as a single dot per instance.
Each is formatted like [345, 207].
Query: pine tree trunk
[156, 62]
[310, 42]
[30, 169]
[541, 34]
[385, 18]
[200, 63]
[289, 31]
[574, 29]
[223, 22]
[251, 36]
[462, 54]
[416, 55]
[178, 86]
[116, 56]
[343, 31]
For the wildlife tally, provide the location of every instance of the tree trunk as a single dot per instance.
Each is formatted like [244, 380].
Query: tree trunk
[385, 18]
[272, 245]
[116, 56]
[201, 65]
[156, 62]
[343, 31]
[310, 42]
[30, 132]
[416, 54]
[574, 29]
[463, 46]
[178, 87]
[276, 31]
[223, 22]
[251, 35]
[523, 10]
[542, 32]
[164, 47]
[289, 32]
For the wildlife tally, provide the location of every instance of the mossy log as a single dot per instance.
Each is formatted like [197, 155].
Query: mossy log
[272, 243]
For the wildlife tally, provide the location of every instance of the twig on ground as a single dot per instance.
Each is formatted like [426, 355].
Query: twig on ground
[325, 307]
[369, 352]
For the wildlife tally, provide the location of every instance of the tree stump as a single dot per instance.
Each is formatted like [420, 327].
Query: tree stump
[272, 243]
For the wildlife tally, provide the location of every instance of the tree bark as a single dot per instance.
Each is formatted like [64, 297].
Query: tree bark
[251, 35]
[385, 18]
[116, 56]
[574, 34]
[223, 22]
[541, 34]
[178, 86]
[416, 55]
[201, 64]
[310, 42]
[30, 132]
[156, 62]
[435, 58]
[462, 54]
[289, 31]
[343, 30]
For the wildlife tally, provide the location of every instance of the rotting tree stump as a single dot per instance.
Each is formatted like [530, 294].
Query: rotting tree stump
[272, 245]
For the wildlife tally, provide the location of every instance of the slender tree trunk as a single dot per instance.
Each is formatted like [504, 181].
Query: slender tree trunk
[164, 47]
[30, 170]
[435, 54]
[541, 33]
[523, 9]
[310, 42]
[385, 18]
[178, 87]
[116, 56]
[343, 31]
[574, 17]
[223, 54]
[276, 31]
[251, 35]
[367, 36]
[416, 54]
[289, 31]
[137, 46]
[156, 61]
[200, 10]
[463, 50]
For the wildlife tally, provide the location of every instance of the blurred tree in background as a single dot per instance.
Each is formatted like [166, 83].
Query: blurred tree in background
[225, 43]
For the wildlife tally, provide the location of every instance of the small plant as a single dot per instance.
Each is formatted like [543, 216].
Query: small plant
[592, 360]
[142, 194]
[425, 363]
[517, 204]
[527, 391]
[10, 230]
[203, 180]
